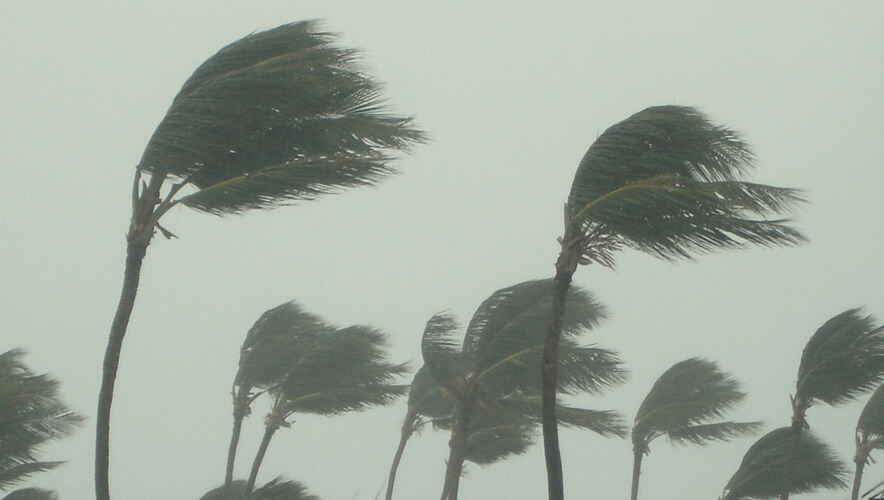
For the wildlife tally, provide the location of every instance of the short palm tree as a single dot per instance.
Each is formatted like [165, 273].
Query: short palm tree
[496, 368]
[668, 182]
[274, 118]
[31, 415]
[869, 436]
[842, 360]
[274, 490]
[686, 405]
[317, 369]
[760, 475]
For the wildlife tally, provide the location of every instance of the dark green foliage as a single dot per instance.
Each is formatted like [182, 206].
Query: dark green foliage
[760, 474]
[842, 360]
[274, 490]
[668, 182]
[870, 427]
[31, 494]
[31, 414]
[278, 116]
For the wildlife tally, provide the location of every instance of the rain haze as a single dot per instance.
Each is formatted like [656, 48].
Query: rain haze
[512, 94]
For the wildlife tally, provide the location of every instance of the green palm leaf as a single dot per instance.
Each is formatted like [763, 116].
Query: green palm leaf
[842, 360]
[277, 489]
[31, 494]
[760, 474]
[871, 421]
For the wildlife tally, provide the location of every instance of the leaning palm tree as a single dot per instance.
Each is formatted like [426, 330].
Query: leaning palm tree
[497, 367]
[842, 360]
[274, 118]
[869, 436]
[31, 415]
[760, 475]
[686, 405]
[328, 371]
[668, 182]
[276, 489]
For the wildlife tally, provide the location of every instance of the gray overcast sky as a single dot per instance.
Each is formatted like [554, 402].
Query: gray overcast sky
[513, 93]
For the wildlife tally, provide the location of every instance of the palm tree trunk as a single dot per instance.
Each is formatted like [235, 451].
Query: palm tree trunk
[554, 478]
[860, 460]
[240, 407]
[407, 431]
[259, 457]
[463, 412]
[792, 461]
[135, 252]
[636, 472]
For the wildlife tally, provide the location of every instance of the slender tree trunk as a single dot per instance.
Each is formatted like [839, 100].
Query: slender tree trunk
[135, 252]
[240, 408]
[636, 472]
[793, 461]
[259, 457]
[554, 478]
[860, 460]
[407, 431]
[463, 413]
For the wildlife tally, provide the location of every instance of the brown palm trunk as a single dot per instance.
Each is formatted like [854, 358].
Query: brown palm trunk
[554, 478]
[636, 472]
[463, 413]
[240, 408]
[407, 431]
[135, 252]
[259, 457]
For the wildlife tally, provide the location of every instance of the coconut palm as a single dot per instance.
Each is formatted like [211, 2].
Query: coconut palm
[496, 368]
[686, 405]
[274, 490]
[31, 415]
[277, 117]
[869, 436]
[842, 360]
[760, 474]
[324, 371]
[668, 182]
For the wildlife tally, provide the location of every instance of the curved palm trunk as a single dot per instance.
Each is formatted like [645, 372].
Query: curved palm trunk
[259, 457]
[407, 431]
[561, 284]
[794, 457]
[860, 460]
[463, 412]
[240, 407]
[135, 252]
[636, 472]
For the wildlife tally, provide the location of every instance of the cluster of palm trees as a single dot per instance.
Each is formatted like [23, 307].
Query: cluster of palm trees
[286, 115]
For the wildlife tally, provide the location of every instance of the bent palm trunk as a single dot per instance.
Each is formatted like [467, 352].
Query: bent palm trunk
[636, 472]
[858, 476]
[458, 447]
[240, 407]
[407, 431]
[259, 457]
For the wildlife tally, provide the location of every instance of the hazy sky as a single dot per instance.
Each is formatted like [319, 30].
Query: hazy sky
[512, 93]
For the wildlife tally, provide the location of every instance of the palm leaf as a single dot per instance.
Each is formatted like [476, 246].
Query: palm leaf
[870, 427]
[31, 494]
[843, 359]
[668, 182]
[605, 423]
[278, 116]
[703, 434]
[277, 489]
[441, 351]
[496, 438]
[760, 474]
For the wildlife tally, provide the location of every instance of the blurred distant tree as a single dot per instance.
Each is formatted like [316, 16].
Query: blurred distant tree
[842, 360]
[495, 373]
[274, 118]
[307, 366]
[685, 405]
[668, 182]
[274, 490]
[869, 436]
[760, 475]
[31, 414]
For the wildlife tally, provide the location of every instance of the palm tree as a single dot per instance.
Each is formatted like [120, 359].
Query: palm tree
[496, 368]
[869, 436]
[31, 494]
[685, 405]
[274, 490]
[319, 369]
[274, 118]
[842, 360]
[31, 414]
[668, 182]
[760, 474]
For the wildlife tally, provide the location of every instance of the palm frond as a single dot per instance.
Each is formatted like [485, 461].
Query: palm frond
[278, 116]
[427, 397]
[440, 350]
[588, 369]
[760, 474]
[668, 182]
[870, 426]
[31, 494]
[605, 423]
[703, 434]
[495, 438]
[842, 360]
[277, 489]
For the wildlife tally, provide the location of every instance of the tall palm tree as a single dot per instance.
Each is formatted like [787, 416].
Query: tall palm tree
[761, 472]
[31, 415]
[686, 405]
[842, 360]
[869, 436]
[324, 371]
[276, 489]
[497, 367]
[668, 182]
[277, 117]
